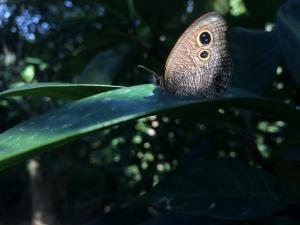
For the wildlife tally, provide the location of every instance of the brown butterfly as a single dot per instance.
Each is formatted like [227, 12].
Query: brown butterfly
[199, 63]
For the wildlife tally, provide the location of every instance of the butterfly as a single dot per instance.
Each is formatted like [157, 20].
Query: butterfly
[199, 63]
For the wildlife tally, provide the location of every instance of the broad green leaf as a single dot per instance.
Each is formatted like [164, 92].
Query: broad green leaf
[59, 90]
[108, 64]
[224, 189]
[256, 56]
[288, 26]
[91, 114]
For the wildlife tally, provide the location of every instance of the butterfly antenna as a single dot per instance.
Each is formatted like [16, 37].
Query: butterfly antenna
[150, 71]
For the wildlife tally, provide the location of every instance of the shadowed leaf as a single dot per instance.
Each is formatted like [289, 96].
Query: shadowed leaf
[220, 188]
[256, 56]
[288, 26]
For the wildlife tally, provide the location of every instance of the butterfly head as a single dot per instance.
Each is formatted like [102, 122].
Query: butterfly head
[159, 81]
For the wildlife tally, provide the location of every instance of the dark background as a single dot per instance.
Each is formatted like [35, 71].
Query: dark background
[94, 180]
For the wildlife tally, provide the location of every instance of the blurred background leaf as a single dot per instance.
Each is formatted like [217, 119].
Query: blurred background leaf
[289, 36]
[256, 56]
[107, 65]
[222, 189]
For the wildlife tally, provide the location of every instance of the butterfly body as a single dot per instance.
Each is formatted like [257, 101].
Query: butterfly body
[199, 63]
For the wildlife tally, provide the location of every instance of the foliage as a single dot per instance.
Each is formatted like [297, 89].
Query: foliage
[128, 153]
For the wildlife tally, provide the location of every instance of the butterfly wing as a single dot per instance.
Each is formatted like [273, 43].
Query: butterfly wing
[199, 63]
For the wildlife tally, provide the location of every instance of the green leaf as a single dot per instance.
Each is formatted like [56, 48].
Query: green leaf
[256, 56]
[59, 90]
[224, 189]
[288, 26]
[91, 114]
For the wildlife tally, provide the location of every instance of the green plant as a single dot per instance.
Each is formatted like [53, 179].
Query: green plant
[169, 147]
